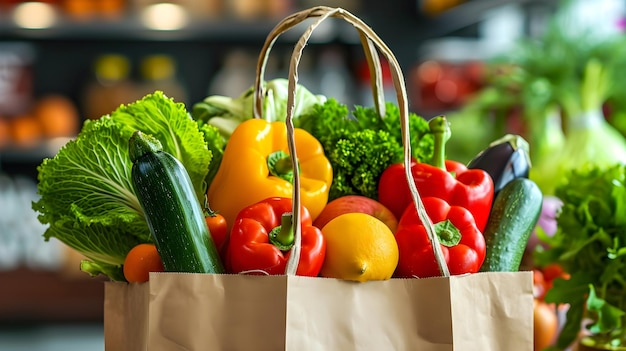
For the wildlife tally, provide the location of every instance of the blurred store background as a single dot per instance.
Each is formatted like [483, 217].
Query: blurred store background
[65, 61]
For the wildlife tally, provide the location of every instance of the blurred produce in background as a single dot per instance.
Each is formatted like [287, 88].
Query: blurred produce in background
[50, 116]
[561, 89]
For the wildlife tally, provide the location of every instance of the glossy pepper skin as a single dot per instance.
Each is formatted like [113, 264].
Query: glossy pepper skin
[262, 236]
[464, 254]
[253, 169]
[446, 179]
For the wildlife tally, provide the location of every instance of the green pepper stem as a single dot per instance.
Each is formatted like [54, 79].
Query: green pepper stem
[280, 165]
[440, 129]
[283, 236]
[448, 234]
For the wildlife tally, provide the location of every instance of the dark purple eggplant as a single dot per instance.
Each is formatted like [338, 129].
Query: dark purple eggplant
[505, 159]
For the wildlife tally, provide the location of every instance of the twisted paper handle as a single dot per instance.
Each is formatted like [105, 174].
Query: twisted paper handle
[372, 45]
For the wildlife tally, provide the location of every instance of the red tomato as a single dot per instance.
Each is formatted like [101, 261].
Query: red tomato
[140, 261]
[218, 229]
[553, 271]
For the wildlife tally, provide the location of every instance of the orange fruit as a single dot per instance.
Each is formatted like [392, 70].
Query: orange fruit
[140, 261]
[545, 323]
[359, 247]
[25, 130]
[57, 116]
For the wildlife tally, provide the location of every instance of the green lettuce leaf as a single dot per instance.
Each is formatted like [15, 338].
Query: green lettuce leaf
[85, 191]
[608, 317]
[169, 122]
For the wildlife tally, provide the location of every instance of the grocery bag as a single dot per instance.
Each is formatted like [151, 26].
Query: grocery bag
[178, 311]
[192, 312]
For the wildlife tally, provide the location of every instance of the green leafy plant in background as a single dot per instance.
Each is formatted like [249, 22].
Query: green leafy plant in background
[559, 82]
[590, 245]
[586, 136]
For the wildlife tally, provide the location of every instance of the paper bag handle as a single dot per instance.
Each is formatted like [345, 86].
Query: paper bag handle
[371, 44]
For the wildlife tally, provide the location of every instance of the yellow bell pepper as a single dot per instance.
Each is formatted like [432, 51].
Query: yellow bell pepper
[256, 165]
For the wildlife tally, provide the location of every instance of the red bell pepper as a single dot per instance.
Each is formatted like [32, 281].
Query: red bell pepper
[262, 237]
[462, 244]
[445, 179]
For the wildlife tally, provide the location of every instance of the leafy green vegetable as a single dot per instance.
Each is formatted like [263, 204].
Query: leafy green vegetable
[96, 268]
[591, 246]
[360, 147]
[216, 143]
[607, 317]
[170, 123]
[590, 139]
[86, 196]
[226, 113]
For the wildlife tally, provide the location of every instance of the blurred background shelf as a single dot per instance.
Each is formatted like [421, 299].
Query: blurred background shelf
[31, 296]
[61, 58]
[129, 28]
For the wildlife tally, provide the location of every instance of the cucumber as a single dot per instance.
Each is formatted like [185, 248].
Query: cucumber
[172, 210]
[513, 217]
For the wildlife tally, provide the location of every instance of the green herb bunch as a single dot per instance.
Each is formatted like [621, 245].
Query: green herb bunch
[590, 245]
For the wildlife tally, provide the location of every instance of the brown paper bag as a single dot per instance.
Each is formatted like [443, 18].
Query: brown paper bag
[180, 311]
[177, 311]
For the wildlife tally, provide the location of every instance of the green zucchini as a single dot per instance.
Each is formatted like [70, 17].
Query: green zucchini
[172, 210]
[513, 217]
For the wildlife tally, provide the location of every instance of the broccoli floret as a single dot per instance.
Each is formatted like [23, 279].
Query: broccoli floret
[358, 160]
[419, 131]
[328, 122]
[361, 146]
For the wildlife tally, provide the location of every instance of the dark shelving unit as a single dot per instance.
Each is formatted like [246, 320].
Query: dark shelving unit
[34, 296]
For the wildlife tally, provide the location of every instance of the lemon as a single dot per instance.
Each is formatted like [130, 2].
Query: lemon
[359, 247]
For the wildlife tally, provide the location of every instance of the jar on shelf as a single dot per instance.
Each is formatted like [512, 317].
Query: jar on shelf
[159, 72]
[16, 77]
[236, 74]
[110, 86]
